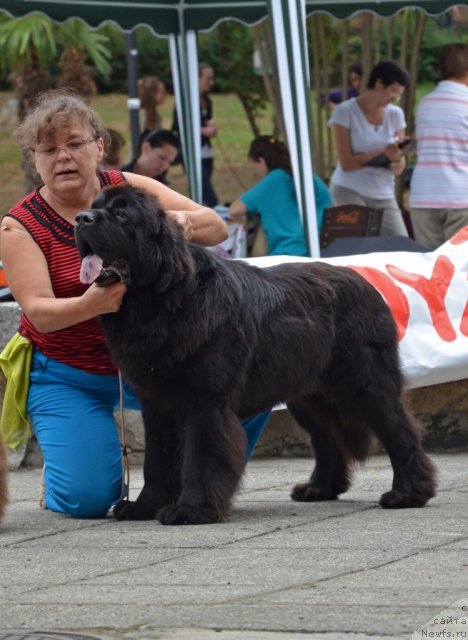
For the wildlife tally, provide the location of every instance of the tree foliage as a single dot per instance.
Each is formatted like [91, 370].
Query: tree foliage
[27, 43]
[38, 54]
[410, 38]
[229, 50]
[78, 41]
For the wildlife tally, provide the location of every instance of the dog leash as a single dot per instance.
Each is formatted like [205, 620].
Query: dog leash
[124, 495]
[229, 166]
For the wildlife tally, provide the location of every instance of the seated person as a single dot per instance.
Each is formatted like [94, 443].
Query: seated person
[158, 151]
[354, 87]
[113, 150]
[274, 199]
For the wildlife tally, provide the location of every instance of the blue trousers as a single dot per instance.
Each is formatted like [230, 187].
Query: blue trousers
[72, 413]
[209, 197]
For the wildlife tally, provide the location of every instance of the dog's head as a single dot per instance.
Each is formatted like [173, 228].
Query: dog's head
[126, 236]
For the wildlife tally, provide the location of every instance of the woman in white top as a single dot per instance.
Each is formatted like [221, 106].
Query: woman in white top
[367, 130]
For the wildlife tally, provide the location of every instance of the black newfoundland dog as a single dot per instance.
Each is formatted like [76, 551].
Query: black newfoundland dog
[205, 341]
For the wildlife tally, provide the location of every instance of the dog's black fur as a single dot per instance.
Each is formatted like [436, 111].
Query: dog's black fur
[204, 341]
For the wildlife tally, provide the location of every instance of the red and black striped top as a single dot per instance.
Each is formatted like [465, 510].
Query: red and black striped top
[82, 345]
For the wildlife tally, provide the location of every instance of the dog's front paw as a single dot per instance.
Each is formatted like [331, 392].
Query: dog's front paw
[398, 500]
[128, 510]
[307, 492]
[185, 514]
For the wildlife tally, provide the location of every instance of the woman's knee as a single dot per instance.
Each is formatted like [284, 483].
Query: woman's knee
[82, 497]
[393, 223]
[253, 428]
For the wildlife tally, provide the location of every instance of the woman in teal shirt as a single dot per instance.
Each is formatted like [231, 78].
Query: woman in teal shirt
[274, 200]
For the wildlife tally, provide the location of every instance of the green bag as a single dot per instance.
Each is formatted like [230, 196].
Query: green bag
[15, 362]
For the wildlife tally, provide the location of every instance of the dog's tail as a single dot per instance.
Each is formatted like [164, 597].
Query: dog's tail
[357, 439]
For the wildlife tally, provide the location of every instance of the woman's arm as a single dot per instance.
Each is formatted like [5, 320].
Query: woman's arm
[237, 209]
[398, 165]
[28, 277]
[201, 224]
[350, 161]
[209, 129]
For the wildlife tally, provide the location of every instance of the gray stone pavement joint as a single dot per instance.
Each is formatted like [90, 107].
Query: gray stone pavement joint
[275, 570]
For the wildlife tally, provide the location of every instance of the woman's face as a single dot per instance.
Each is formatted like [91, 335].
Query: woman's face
[260, 166]
[355, 80]
[68, 160]
[156, 160]
[390, 93]
[206, 80]
[160, 93]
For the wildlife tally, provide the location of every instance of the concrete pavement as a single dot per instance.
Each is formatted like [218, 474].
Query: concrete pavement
[275, 570]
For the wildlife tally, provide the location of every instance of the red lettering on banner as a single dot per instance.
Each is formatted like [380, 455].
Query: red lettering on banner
[460, 237]
[433, 291]
[464, 320]
[396, 299]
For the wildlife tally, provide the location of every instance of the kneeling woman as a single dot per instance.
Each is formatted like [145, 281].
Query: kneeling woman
[73, 384]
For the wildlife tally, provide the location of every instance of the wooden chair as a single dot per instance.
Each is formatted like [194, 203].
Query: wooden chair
[349, 221]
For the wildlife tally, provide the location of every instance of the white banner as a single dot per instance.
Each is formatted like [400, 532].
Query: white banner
[428, 296]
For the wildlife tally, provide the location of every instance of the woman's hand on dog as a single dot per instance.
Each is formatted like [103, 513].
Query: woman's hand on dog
[182, 218]
[107, 299]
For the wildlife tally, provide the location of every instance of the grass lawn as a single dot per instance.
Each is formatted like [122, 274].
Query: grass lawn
[232, 173]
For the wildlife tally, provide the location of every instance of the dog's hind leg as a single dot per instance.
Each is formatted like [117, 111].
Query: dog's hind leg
[414, 473]
[331, 474]
[214, 451]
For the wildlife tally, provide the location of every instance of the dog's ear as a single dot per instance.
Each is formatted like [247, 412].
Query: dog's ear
[162, 256]
[167, 259]
[175, 261]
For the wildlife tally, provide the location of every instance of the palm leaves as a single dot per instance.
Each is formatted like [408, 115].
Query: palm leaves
[76, 36]
[27, 43]
[30, 45]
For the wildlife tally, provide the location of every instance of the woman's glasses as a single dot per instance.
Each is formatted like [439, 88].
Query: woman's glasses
[72, 147]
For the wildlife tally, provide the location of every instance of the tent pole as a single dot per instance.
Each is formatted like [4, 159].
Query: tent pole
[184, 64]
[133, 101]
[287, 18]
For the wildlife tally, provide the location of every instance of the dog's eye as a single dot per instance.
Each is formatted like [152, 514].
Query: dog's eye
[121, 214]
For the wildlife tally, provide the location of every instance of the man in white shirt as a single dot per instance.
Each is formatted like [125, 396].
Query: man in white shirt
[439, 186]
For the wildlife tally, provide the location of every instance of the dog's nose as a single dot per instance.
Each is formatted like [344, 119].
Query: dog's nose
[85, 217]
